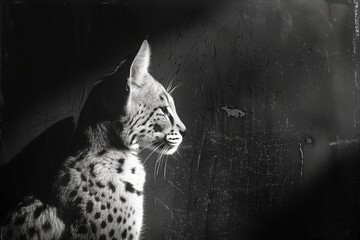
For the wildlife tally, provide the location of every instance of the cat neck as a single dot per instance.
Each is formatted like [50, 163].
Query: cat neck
[99, 128]
[104, 135]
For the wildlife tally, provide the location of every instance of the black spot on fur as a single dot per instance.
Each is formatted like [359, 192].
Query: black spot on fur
[115, 210]
[31, 231]
[65, 179]
[122, 199]
[84, 189]
[108, 205]
[102, 152]
[119, 170]
[97, 215]
[129, 187]
[103, 224]
[143, 130]
[78, 200]
[78, 169]
[133, 170]
[46, 226]
[124, 233]
[134, 222]
[119, 219]
[89, 206]
[110, 218]
[93, 227]
[124, 221]
[72, 194]
[111, 186]
[102, 207]
[133, 137]
[99, 184]
[82, 230]
[102, 237]
[71, 164]
[121, 161]
[83, 177]
[138, 193]
[38, 211]
[19, 220]
[97, 199]
[92, 173]
[131, 237]
[82, 156]
[111, 233]
[102, 195]
[150, 115]
[129, 215]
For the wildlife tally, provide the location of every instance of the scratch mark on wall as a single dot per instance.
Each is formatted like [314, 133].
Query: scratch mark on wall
[199, 156]
[176, 187]
[356, 86]
[172, 213]
[214, 51]
[301, 164]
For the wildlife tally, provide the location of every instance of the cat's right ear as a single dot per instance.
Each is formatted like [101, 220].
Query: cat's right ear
[140, 65]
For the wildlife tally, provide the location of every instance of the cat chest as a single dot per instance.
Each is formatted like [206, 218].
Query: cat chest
[108, 198]
[117, 215]
[114, 206]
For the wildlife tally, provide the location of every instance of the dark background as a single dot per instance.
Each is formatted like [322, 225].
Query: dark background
[269, 95]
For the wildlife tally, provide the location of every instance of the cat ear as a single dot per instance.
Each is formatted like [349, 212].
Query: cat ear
[140, 65]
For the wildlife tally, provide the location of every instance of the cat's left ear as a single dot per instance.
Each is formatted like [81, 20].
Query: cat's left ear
[140, 65]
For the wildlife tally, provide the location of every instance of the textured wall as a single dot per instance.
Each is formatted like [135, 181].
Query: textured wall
[267, 87]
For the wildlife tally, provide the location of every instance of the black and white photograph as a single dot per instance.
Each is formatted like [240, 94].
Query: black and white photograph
[180, 119]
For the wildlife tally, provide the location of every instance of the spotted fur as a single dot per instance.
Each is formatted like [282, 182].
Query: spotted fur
[99, 191]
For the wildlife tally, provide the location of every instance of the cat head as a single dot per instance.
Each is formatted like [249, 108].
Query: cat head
[150, 119]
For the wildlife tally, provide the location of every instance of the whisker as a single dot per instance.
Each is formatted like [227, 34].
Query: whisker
[145, 147]
[160, 160]
[178, 153]
[170, 84]
[166, 160]
[170, 92]
[157, 162]
[152, 152]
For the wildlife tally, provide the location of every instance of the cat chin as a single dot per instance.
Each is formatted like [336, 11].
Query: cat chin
[164, 148]
[171, 150]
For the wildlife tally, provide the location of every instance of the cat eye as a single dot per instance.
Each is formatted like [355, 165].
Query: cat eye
[167, 114]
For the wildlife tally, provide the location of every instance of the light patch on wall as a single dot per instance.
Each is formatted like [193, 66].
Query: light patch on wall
[234, 112]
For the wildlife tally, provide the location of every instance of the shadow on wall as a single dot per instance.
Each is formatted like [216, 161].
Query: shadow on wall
[32, 170]
[327, 207]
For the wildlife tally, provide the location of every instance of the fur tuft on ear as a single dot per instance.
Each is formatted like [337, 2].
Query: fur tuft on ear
[140, 65]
